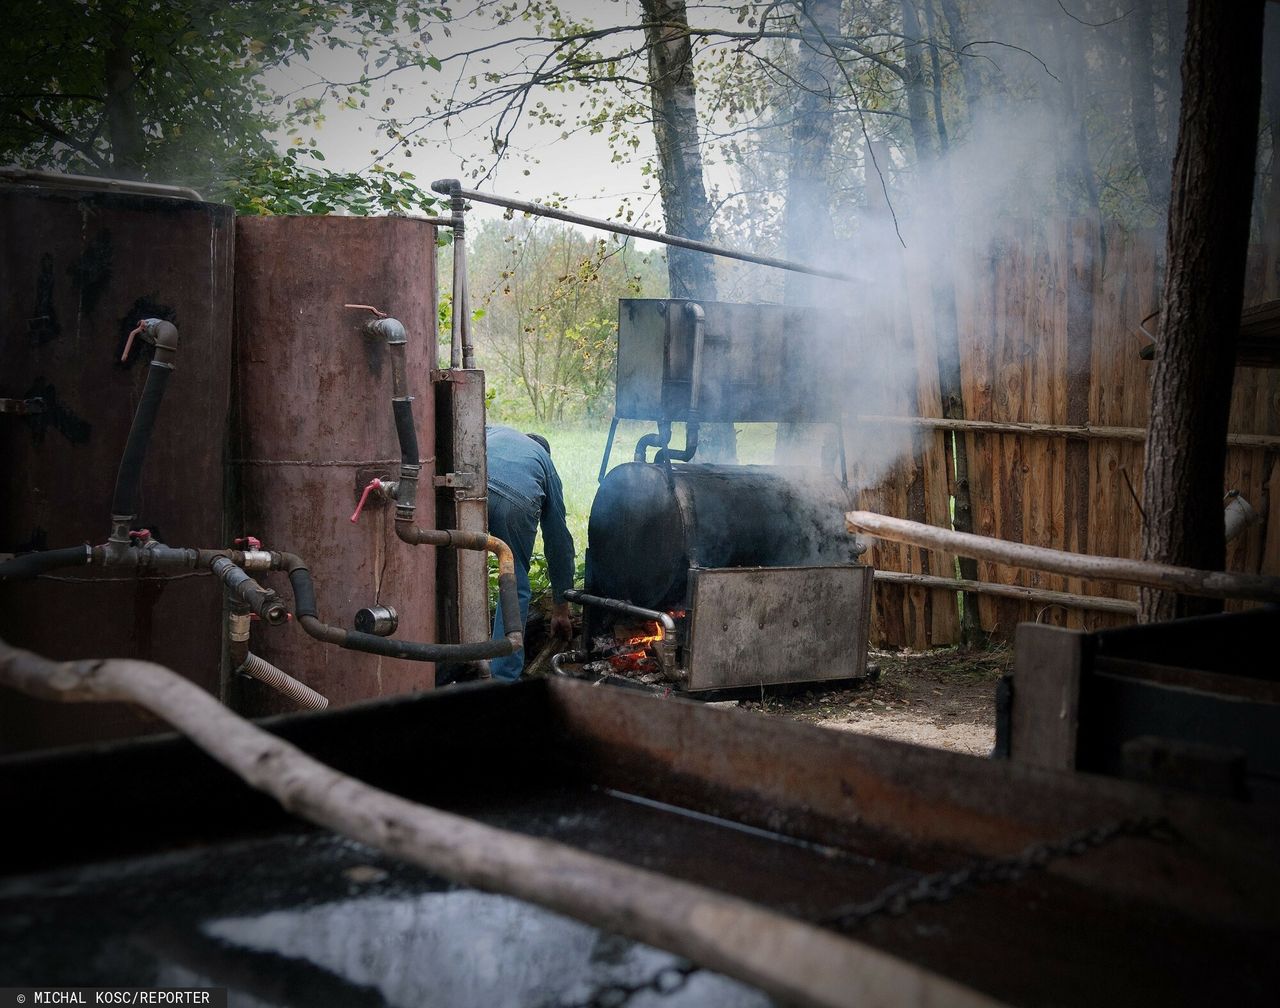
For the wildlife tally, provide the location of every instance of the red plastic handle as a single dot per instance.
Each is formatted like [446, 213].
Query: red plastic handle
[374, 484]
[254, 542]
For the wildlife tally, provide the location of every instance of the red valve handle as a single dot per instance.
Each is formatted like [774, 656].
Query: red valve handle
[374, 484]
[128, 344]
[142, 535]
[254, 542]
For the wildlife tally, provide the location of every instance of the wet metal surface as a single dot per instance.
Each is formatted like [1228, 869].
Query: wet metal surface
[313, 424]
[314, 920]
[777, 625]
[77, 272]
[797, 819]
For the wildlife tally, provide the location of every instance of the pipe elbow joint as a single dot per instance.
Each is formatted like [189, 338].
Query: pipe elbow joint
[447, 187]
[392, 330]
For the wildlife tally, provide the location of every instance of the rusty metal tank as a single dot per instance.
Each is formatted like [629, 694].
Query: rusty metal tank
[650, 523]
[313, 424]
[78, 269]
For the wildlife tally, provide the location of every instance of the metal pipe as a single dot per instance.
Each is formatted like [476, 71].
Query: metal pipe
[407, 499]
[461, 352]
[616, 605]
[305, 610]
[454, 188]
[263, 601]
[124, 502]
[282, 682]
[15, 173]
[558, 660]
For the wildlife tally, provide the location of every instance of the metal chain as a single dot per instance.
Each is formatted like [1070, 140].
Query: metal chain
[664, 983]
[899, 897]
[939, 887]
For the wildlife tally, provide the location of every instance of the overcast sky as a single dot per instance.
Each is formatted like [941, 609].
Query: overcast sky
[580, 166]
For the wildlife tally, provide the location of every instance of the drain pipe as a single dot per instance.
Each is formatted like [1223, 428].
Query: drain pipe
[246, 663]
[406, 494]
[124, 502]
[282, 682]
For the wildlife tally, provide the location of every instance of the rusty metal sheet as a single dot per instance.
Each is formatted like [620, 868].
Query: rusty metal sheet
[77, 271]
[769, 625]
[761, 362]
[313, 422]
[464, 577]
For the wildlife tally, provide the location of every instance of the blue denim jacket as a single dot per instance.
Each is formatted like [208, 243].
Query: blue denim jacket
[522, 473]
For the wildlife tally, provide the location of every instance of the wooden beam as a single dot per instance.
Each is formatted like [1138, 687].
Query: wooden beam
[1086, 432]
[1185, 580]
[1096, 602]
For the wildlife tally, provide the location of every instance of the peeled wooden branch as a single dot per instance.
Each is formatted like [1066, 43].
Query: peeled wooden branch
[793, 961]
[1185, 580]
[1071, 601]
[1083, 432]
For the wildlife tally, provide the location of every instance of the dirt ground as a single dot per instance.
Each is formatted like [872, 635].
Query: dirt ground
[943, 698]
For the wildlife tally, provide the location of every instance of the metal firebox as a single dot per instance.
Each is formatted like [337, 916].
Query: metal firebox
[750, 565]
[771, 626]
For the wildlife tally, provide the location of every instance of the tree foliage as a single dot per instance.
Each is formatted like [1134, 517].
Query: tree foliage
[547, 326]
[176, 91]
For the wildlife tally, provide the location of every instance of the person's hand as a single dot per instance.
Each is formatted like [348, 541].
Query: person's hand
[561, 624]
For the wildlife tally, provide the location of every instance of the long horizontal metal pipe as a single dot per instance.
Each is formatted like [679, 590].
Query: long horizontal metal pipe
[452, 187]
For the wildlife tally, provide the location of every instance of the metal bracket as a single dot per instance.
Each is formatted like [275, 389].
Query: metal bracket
[21, 407]
[462, 481]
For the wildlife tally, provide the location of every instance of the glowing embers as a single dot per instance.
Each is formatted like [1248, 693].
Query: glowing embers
[631, 650]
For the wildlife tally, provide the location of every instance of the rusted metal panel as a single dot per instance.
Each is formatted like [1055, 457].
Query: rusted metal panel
[770, 625]
[77, 271]
[462, 501]
[313, 423]
[795, 820]
[761, 362]
[1048, 664]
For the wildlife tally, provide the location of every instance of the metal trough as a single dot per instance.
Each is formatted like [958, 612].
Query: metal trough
[1158, 898]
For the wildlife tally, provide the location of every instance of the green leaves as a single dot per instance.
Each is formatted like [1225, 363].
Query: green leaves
[287, 184]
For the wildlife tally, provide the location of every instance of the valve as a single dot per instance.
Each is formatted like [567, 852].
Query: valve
[253, 542]
[141, 536]
[370, 487]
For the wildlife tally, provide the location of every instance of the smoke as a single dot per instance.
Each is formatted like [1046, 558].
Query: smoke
[1049, 135]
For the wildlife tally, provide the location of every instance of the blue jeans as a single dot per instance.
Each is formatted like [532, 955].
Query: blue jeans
[517, 526]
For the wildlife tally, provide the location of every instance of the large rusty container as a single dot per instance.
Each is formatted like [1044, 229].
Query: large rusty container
[313, 424]
[78, 269]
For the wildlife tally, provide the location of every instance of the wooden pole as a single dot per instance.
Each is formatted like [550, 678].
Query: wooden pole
[1085, 432]
[1112, 605]
[796, 963]
[1186, 580]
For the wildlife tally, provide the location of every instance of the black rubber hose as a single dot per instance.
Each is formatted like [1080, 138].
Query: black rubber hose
[304, 606]
[408, 437]
[30, 565]
[125, 500]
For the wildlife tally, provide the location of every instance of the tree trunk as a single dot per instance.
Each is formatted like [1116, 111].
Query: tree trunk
[1203, 292]
[1152, 157]
[807, 217]
[968, 65]
[124, 128]
[680, 182]
[917, 88]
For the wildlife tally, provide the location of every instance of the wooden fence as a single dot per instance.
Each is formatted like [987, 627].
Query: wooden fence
[1049, 321]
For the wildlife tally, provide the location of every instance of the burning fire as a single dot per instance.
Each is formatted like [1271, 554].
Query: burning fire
[644, 640]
